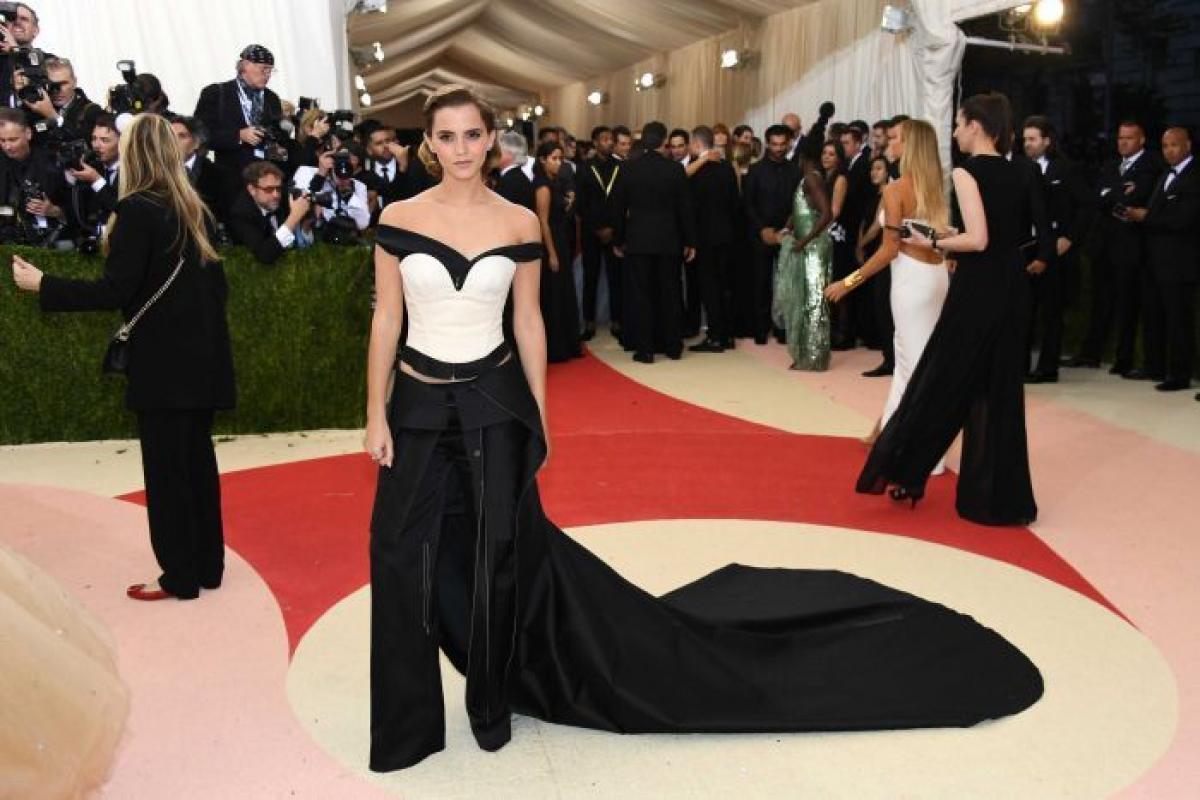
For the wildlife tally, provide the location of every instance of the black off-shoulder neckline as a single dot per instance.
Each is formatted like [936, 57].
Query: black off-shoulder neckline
[402, 242]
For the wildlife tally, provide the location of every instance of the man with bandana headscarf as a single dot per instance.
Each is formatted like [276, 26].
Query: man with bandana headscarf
[235, 111]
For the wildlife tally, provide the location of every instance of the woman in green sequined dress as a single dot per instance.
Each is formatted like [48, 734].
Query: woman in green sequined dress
[802, 272]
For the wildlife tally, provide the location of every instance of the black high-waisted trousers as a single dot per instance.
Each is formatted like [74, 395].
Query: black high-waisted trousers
[442, 575]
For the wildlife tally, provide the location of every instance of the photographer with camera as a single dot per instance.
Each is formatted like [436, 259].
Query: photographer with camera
[256, 214]
[343, 201]
[93, 185]
[311, 137]
[240, 114]
[65, 105]
[18, 28]
[32, 189]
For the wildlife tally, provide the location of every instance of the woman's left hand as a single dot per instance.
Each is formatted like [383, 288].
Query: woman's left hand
[918, 239]
[835, 291]
[27, 277]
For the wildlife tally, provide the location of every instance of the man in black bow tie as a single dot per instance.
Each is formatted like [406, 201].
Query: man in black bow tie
[1172, 225]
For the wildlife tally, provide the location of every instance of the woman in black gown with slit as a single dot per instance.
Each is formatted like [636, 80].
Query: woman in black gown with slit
[970, 377]
[560, 309]
[465, 561]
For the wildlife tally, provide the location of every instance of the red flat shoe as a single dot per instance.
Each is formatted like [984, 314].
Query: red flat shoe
[139, 592]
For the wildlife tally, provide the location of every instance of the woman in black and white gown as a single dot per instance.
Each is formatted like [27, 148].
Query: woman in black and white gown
[464, 560]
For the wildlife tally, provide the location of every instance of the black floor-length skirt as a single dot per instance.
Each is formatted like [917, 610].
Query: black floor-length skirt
[742, 649]
[970, 378]
[560, 306]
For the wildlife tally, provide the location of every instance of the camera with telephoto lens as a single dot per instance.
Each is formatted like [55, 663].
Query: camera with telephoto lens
[342, 166]
[74, 154]
[31, 62]
[316, 192]
[273, 138]
[126, 98]
[341, 121]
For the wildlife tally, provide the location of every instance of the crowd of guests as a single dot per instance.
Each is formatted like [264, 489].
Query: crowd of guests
[707, 231]
[759, 238]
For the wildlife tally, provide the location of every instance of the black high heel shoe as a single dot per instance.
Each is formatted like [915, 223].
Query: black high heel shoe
[900, 494]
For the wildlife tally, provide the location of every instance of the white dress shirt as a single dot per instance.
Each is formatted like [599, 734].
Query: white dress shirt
[1175, 172]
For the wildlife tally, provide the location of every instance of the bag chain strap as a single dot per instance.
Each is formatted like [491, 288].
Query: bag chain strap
[126, 329]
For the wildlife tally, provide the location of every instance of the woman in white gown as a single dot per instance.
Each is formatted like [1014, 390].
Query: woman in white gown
[920, 279]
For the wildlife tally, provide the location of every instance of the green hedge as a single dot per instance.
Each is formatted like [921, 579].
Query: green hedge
[299, 328]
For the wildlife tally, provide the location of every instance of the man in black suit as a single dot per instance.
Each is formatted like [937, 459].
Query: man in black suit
[235, 111]
[593, 205]
[1118, 251]
[205, 176]
[714, 199]
[1172, 225]
[261, 217]
[767, 192]
[513, 182]
[654, 225]
[401, 174]
[856, 319]
[1070, 204]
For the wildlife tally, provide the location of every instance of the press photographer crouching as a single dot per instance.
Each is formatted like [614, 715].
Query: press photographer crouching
[32, 187]
[164, 275]
[93, 186]
[262, 219]
[344, 207]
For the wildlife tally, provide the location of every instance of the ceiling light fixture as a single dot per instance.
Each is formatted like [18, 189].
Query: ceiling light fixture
[364, 99]
[378, 51]
[895, 20]
[359, 83]
[597, 97]
[649, 80]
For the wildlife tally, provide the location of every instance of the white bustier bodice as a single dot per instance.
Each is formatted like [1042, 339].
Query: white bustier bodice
[455, 304]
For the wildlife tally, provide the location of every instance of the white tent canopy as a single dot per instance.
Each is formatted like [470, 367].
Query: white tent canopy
[191, 44]
[553, 52]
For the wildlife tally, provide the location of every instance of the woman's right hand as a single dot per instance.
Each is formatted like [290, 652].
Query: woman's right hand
[320, 127]
[378, 442]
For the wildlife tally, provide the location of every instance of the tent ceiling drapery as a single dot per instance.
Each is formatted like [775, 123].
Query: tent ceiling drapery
[521, 49]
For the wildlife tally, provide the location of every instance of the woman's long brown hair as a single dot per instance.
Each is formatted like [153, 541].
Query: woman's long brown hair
[151, 163]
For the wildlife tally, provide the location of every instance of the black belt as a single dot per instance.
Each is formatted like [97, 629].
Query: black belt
[444, 370]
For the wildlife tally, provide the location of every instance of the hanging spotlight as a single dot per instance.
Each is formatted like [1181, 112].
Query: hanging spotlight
[364, 99]
[359, 83]
[1048, 13]
[649, 80]
[509, 122]
[895, 20]
[730, 59]
[378, 51]
[539, 111]
[597, 98]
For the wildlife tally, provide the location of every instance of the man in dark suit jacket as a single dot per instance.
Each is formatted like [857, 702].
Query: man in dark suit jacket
[204, 175]
[512, 181]
[401, 174]
[94, 187]
[1118, 250]
[1172, 225]
[262, 219]
[714, 200]
[234, 112]
[654, 225]
[1071, 207]
[856, 319]
[768, 192]
[593, 205]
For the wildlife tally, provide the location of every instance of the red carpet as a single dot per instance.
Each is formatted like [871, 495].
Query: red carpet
[620, 452]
